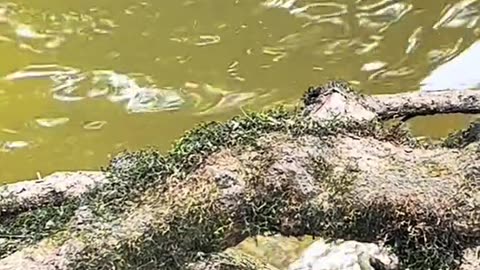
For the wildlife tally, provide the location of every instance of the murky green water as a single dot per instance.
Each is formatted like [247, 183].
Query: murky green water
[80, 80]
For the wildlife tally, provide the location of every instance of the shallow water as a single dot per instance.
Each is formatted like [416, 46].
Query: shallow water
[81, 80]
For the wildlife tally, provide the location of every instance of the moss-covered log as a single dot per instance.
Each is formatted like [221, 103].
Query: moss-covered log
[315, 171]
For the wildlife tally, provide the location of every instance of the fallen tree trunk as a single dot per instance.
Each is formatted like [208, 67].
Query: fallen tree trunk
[331, 171]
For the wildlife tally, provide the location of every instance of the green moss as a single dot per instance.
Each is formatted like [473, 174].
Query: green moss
[27, 228]
[423, 241]
[172, 240]
[465, 137]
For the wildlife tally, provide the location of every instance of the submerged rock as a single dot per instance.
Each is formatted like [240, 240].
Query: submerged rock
[345, 255]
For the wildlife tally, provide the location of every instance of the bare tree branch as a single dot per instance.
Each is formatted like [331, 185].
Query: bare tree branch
[338, 100]
[411, 104]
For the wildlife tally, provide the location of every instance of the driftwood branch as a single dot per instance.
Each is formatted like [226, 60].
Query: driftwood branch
[339, 100]
[407, 105]
[345, 184]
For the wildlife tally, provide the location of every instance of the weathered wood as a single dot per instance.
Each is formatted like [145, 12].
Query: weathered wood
[338, 100]
[411, 104]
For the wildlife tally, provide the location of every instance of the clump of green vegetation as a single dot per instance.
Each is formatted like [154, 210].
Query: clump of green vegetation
[26, 228]
[421, 240]
[313, 93]
[465, 137]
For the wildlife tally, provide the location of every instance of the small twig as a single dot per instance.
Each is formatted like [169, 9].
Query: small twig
[39, 176]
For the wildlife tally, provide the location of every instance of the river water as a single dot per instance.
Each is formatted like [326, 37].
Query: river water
[82, 80]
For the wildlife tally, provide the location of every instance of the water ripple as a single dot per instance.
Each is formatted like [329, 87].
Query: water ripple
[464, 13]
[52, 122]
[136, 91]
[40, 30]
[384, 17]
[10, 146]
